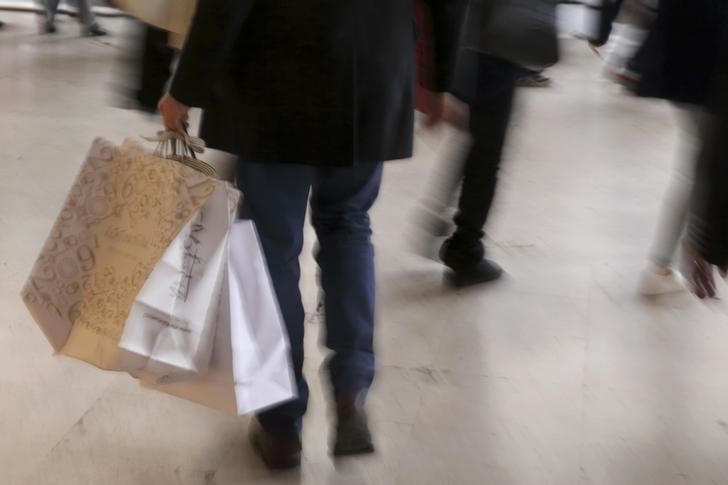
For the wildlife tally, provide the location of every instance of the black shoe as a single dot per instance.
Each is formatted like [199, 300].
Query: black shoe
[535, 80]
[96, 31]
[484, 271]
[2, 24]
[462, 253]
[49, 28]
[352, 429]
[278, 451]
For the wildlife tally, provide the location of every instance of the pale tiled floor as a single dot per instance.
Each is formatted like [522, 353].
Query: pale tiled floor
[557, 375]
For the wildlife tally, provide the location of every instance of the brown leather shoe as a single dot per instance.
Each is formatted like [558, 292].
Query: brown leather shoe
[278, 451]
[352, 429]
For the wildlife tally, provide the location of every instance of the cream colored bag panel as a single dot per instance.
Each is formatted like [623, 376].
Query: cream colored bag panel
[123, 211]
[174, 16]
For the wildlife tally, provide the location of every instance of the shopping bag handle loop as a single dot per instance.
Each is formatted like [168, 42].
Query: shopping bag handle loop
[181, 147]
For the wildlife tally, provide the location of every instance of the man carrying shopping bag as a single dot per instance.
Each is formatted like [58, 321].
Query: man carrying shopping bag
[312, 97]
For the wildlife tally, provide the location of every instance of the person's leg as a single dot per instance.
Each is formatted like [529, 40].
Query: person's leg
[490, 115]
[433, 218]
[660, 276]
[340, 203]
[85, 14]
[51, 10]
[671, 222]
[276, 198]
[155, 67]
[87, 18]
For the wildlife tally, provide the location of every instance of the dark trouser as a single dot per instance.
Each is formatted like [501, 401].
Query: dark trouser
[490, 113]
[155, 68]
[85, 15]
[275, 198]
[607, 15]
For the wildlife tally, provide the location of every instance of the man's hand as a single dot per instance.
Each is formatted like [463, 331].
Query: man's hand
[699, 273]
[442, 107]
[433, 106]
[174, 113]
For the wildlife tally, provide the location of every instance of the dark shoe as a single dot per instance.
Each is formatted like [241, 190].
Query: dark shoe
[535, 80]
[96, 31]
[278, 452]
[484, 271]
[352, 429]
[49, 28]
[462, 252]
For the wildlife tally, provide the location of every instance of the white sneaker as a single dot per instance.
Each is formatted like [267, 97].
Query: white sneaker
[653, 283]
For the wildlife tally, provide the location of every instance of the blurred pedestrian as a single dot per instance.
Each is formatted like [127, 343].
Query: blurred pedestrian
[313, 98]
[497, 44]
[679, 61]
[86, 17]
[705, 246]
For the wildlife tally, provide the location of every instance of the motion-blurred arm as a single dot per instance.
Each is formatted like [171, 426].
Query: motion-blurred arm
[206, 54]
[446, 19]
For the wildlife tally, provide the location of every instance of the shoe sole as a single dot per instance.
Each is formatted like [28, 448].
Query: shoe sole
[528, 84]
[363, 450]
[460, 282]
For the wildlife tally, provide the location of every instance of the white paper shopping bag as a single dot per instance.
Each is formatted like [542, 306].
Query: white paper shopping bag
[261, 351]
[170, 329]
[250, 366]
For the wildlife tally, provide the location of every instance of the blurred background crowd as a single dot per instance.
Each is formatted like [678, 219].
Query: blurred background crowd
[595, 131]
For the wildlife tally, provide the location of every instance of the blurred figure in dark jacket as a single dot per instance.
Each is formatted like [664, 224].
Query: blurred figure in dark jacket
[312, 96]
[485, 80]
[680, 61]
[706, 242]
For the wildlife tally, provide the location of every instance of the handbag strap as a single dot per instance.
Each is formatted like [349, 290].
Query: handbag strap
[181, 147]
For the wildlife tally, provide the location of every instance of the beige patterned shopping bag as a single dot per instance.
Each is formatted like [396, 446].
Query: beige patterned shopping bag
[124, 209]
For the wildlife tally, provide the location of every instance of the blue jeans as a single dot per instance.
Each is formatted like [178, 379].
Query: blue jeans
[276, 197]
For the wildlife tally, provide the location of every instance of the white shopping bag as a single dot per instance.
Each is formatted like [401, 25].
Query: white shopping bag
[261, 351]
[250, 366]
[171, 326]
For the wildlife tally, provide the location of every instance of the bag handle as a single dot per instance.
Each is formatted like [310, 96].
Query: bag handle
[181, 147]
